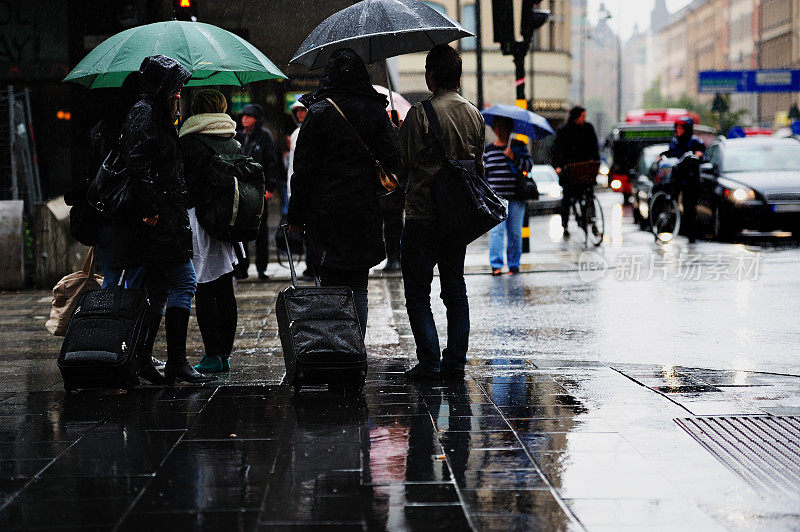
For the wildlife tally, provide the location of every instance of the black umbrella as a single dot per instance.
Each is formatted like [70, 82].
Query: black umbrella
[378, 29]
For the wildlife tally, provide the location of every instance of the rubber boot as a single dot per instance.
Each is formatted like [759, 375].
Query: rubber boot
[148, 370]
[178, 368]
[211, 364]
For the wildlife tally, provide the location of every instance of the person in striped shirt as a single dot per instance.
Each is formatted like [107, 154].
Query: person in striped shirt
[504, 163]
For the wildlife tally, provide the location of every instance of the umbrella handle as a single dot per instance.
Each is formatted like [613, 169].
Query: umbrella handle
[395, 115]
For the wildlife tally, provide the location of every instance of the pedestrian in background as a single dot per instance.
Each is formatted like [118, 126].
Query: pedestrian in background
[575, 142]
[462, 137]
[256, 142]
[504, 161]
[155, 230]
[208, 132]
[334, 185]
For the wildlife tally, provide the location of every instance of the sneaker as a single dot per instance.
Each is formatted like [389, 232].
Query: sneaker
[496, 271]
[513, 271]
[421, 373]
[566, 234]
[262, 276]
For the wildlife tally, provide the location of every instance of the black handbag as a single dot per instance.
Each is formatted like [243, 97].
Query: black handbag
[466, 205]
[526, 187]
[84, 223]
[109, 191]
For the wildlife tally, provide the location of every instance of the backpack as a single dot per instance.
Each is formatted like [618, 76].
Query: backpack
[232, 201]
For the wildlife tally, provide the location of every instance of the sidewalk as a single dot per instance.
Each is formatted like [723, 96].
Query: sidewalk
[522, 444]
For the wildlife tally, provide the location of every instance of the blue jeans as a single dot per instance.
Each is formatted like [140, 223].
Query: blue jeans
[283, 196]
[134, 277]
[170, 285]
[420, 252]
[512, 229]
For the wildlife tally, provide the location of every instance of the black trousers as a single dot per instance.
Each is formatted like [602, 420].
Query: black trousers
[689, 221]
[262, 248]
[392, 232]
[215, 306]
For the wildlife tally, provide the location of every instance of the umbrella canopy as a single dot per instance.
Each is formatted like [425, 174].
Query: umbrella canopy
[377, 29]
[213, 56]
[525, 122]
[401, 105]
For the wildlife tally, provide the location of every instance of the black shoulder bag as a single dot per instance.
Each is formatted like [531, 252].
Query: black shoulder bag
[466, 206]
[109, 190]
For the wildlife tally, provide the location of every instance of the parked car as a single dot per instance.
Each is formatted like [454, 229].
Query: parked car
[550, 192]
[747, 183]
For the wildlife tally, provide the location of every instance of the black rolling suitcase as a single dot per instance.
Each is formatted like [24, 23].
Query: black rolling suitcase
[102, 344]
[320, 335]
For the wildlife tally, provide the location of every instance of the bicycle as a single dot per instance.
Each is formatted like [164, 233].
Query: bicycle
[581, 178]
[665, 213]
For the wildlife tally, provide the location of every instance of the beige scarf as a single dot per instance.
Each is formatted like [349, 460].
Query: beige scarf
[210, 124]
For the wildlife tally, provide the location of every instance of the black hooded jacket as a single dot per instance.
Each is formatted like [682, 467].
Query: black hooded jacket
[575, 144]
[335, 184]
[153, 162]
[686, 142]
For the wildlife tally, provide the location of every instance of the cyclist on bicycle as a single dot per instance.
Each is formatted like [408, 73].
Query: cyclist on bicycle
[685, 141]
[575, 142]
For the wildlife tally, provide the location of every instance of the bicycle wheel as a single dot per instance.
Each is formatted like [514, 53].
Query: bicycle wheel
[596, 224]
[665, 217]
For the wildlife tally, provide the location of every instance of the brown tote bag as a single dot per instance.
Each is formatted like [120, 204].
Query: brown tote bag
[67, 292]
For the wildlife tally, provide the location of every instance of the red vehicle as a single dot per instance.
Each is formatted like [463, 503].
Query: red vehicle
[643, 127]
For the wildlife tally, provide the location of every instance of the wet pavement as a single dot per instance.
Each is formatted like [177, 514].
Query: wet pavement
[581, 409]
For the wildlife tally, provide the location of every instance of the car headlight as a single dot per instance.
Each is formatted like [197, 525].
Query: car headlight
[554, 193]
[736, 192]
[604, 169]
[743, 194]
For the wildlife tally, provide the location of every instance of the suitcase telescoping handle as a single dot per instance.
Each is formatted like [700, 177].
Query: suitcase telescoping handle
[285, 230]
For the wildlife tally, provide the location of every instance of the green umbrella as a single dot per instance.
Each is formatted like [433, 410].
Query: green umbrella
[213, 56]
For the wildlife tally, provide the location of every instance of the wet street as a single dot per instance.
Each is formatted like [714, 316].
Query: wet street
[632, 386]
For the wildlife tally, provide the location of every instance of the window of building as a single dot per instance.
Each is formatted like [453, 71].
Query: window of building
[469, 22]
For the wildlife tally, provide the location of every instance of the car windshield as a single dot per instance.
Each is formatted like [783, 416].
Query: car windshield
[650, 155]
[544, 174]
[762, 157]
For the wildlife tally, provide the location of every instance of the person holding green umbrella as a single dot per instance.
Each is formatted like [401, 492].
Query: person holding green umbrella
[154, 229]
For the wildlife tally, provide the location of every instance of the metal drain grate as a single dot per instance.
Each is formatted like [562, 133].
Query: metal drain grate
[763, 450]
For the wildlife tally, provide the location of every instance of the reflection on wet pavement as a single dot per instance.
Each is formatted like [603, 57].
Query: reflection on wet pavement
[565, 422]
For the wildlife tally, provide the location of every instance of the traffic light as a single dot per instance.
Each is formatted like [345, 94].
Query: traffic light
[185, 10]
[503, 21]
[532, 19]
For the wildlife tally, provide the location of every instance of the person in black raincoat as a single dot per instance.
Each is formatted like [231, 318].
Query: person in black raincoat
[682, 142]
[575, 142]
[155, 230]
[257, 143]
[335, 184]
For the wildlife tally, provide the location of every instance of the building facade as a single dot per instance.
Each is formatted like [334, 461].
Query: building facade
[548, 66]
[778, 47]
[732, 35]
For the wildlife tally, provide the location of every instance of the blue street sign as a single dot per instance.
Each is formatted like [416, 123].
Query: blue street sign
[729, 81]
